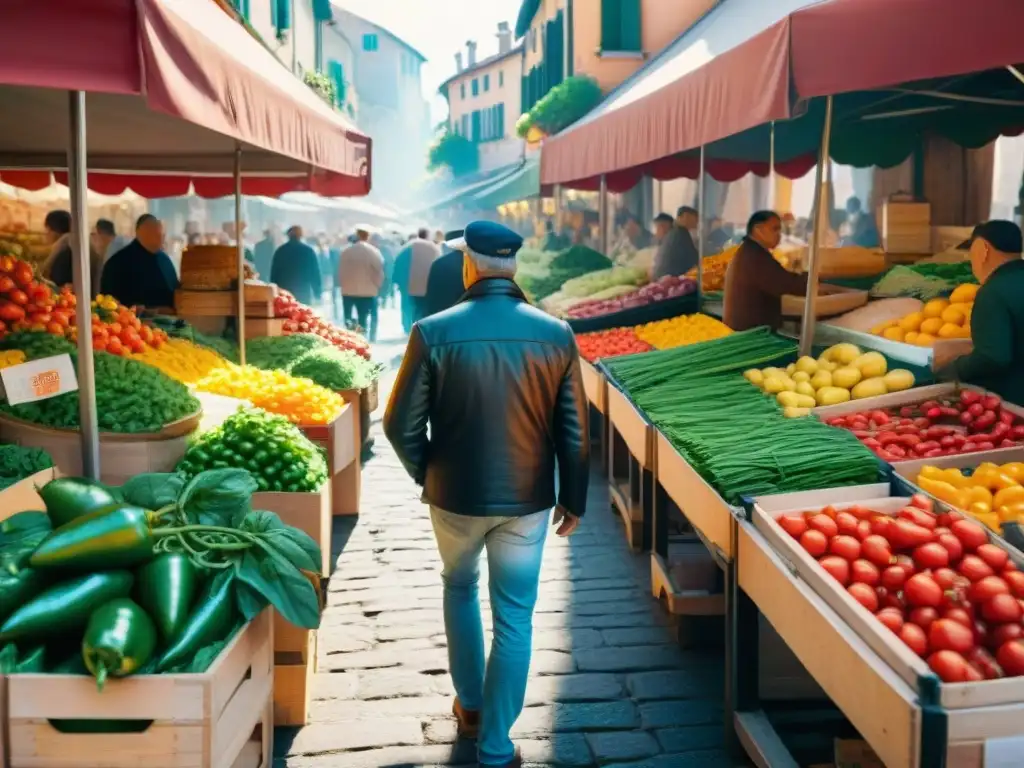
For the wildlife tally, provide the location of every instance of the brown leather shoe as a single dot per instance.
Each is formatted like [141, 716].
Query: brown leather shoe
[468, 720]
[515, 762]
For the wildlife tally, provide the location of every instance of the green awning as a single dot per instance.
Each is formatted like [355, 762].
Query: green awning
[523, 184]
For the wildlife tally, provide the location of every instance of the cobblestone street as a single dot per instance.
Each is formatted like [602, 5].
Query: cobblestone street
[609, 685]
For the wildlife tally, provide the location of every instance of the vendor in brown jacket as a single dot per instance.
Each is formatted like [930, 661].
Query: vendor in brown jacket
[754, 281]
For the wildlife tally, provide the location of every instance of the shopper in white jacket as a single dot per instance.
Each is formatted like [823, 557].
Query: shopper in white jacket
[361, 275]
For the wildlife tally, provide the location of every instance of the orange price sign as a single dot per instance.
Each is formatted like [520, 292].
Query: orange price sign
[46, 384]
[38, 379]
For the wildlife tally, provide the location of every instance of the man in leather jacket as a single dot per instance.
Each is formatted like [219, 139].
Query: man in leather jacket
[498, 382]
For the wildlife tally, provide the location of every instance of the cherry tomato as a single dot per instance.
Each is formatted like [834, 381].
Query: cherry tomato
[972, 535]
[915, 638]
[864, 572]
[905, 534]
[1003, 634]
[918, 517]
[922, 591]
[846, 547]
[949, 635]
[836, 567]
[950, 666]
[906, 562]
[974, 568]
[876, 550]
[985, 663]
[863, 529]
[1010, 657]
[960, 616]
[995, 557]
[846, 523]
[892, 618]
[882, 525]
[952, 545]
[893, 578]
[923, 617]
[825, 524]
[814, 542]
[945, 577]
[987, 588]
[921, 501]
[1002, 609]
[864, 595]
[1016, 581]
[931, 555]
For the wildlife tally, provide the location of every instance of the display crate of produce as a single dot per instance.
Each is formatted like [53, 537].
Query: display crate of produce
[340, 440]
[209, 267]
[223, 303]
[594, 385]
[630, 465]
[826, 305]
[22, 496]
[293, 683]
[906, 227]
[259, 327]
[309, 512]
[206, 720]
[888, 692]
[827, 335]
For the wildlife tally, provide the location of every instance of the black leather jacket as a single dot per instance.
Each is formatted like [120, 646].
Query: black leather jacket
[499, 383]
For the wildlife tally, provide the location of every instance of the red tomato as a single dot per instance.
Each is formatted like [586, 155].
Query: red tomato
[950, 666]
[931, 555]
[864, 595]
[921, 501]
[995, 557]
[921, 590]
[23, 274]
[114, 346]
[846, 523]
[986, 588]
[945, 577]
[971, 534]
[906, 535]
[863, 529]
[1002, 609]
[952, 545]
[949, 635]
[864, 572]
[892, 618]
[824, 523]
[923, 617]
[906, 562]
[974, 674]
[836, 567]
[882, 525]
[876, 549]
[18, 297]
[847, 547]
[1003, 634]
[974, 568]
[915, 638]
[1010, 657]
[918, 516]
[985, 663]
[1016, 581]
[814, 542]
[960, 616]
[893, 578]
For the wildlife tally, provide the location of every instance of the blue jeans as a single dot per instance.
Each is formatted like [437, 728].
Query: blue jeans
[515, 546]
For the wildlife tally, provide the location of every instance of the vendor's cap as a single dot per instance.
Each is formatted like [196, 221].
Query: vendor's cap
[487, 239]
[1004, 236]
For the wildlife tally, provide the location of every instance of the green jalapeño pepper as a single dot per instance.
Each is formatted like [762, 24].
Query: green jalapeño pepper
[214, 616]
[16, 589]
[68, 498]
[116, 537]
[118, 641]
[64, 607]
[166, 587]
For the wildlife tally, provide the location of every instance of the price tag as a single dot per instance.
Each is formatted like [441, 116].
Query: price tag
[1003, 753]
[39, 379]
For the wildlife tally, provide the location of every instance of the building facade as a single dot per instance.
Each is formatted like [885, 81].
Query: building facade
[485, 100]
[289, 28]
[607, 40]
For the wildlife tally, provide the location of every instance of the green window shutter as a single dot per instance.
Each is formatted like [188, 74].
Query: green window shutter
[476, 126]
[243, 9]
[632, 33]
[281, 10]
[611, 24]
[501, 121]
[321, 10]
[336, 71]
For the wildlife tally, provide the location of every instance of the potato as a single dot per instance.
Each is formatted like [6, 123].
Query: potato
[787, 399]
[805, 401]
[766, 372]
[791, 369]
[898, 379]
[869, 388]
[774, 384]
[805, 388]
[801, 376]
[832, 395]
[754, 376]
[846, 377]
[821, 379]
[871, 364]
[795, 413]
[806, 365]
[844, 353]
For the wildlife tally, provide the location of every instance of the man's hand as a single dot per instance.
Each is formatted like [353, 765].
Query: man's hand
[565, 521]
[948, 350]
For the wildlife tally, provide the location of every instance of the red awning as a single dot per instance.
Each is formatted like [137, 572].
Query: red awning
[748, 62]
[171, 86]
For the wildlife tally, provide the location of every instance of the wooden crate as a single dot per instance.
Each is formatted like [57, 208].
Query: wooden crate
[309, 512]
[221, 303]
[258, 327]
[199, 721]
[341, 440]
[906, 227]
[293, 683]
[209, 267]
[22, 496]
[595, 385]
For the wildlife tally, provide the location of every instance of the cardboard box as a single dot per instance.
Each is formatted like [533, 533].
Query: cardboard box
[22, 496]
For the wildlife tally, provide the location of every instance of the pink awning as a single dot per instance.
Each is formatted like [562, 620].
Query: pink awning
[747, 62]
[171, 86]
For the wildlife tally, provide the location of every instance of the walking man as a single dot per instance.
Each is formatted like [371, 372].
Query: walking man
[498, 382]
[360, 275]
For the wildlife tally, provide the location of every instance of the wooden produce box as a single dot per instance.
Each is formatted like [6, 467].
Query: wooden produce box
[222, 303]
[293, 683]
[22, 496]
[208, 720]
[340, 438]
[209, 267]
[309, 512]
[826, 305]
[906, 227]
[595, 385]
[259, 327]
[636, 432]
[877, 681]
[906, 397]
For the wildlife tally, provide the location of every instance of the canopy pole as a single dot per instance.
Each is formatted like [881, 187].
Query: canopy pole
[771, 167]
[88, 417]
[602, 215]
[700, 231]
[557, 192]
[240, 245]
[813, 267]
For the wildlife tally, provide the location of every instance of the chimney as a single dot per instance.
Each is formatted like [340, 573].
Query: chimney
[470, 53]
[504, 37]
[458, 61]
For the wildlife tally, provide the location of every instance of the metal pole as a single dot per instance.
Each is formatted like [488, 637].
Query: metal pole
[813, 267]
[88, 417]
[240, 245]
[700, 231]
[771, 167]
[557, 193]
[602, 214]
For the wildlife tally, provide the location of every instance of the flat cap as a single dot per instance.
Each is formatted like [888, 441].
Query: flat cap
[488, 239]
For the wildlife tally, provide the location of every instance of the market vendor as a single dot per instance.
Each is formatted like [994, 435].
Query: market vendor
[141, 274]
[676, 254]
[996, 361]
[754, 281]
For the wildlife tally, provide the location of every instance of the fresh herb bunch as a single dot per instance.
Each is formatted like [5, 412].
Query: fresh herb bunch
[336, 369]
[271, 448]
[17, 463]
[131, 398]
[281, 352]
[36, 344]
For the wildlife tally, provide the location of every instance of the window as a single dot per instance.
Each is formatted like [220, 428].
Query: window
[501, 79]
[370, 42]
[462, 90]
[487, 83]
[476, 87]
[243, 8]
[620, 25]
[336, 71]
[477, 133]
[465, 127]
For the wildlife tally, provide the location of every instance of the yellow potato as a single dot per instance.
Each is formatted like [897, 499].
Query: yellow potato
[806, 365]
[821, 379]
[832, 395]
[791, 369]
[912, 321]
[805, 388]
[774, 384]
[871, 364]
[898, 379]
[846, 377]
[843, 354]
[934, 307]
[869, 388]
[805, 401]
[795, 413]
[786, 399]
[754, 376]
[801, 376]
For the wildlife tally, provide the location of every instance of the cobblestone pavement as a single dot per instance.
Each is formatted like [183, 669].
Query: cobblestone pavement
[609, 685]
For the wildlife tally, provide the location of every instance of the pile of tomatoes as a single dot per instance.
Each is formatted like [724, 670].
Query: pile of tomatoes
[117, 329]
[27, 304]
[302, 319]
[610, 343]
[934, 580]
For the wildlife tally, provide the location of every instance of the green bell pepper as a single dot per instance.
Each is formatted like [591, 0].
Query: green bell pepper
[166, 587]
[214, 616]
[68, 498]
[119, 536]
[65, 607]
[118, 640]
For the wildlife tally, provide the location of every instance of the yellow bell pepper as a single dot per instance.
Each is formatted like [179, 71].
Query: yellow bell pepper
[1001, 481]
[990, 521]
[1009, 495]
[1014, 469]
[1011, 513]
[931, 473]
[979, 493]
[944, 491]
[979, 508]
[956, 478]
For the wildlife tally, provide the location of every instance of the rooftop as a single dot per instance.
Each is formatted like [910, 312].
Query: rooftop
[340, 5]
[482, 64]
